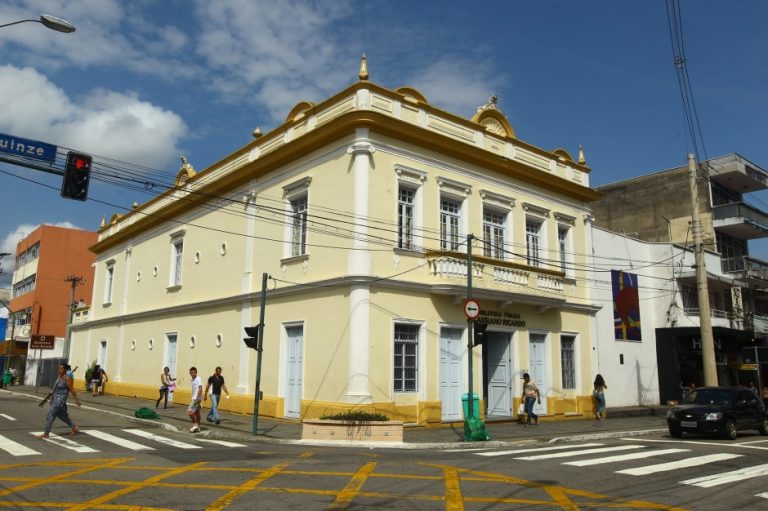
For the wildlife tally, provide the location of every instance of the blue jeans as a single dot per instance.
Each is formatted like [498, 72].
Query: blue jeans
[213, 415]
[529, 402]
[600, 398]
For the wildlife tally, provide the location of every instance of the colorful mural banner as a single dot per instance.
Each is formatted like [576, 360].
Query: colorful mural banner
[626, 306]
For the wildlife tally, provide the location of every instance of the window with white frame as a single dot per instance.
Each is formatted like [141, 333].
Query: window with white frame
[450, 220]
[406, 199]
[406, 357]
[298, 225]
[494, 225]
[563, 234]
[109, 279]
[25, 286]
[177, 258]
[533, 245]
[568, 361]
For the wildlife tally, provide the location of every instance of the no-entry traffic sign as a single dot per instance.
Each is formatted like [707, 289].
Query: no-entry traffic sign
[471, 309]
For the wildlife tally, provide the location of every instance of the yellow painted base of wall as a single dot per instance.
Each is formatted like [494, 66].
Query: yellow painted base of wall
[424, 413]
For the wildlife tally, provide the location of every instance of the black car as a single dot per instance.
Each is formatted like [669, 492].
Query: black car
[718, 410]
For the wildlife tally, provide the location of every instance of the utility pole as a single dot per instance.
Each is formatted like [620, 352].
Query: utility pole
[74, 282]
[705, 318]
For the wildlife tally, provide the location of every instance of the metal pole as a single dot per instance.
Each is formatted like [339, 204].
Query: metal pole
[707, 339]
[259, 349]
[470, 324]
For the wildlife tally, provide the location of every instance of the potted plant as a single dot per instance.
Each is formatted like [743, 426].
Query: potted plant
[88, 373]
[353, 425]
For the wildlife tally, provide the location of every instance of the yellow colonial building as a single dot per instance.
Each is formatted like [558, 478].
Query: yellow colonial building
[359, 209]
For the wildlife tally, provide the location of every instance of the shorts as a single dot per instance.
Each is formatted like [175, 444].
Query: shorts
[193, 407]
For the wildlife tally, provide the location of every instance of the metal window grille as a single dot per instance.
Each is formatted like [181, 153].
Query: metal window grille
[405, 217]
[299, 226]
[449, 224]
[567, 362]
[493, 234]
[533, 242]
[406, 357]
[562, 241]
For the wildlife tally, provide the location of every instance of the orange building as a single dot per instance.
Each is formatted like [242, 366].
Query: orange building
[41, 292]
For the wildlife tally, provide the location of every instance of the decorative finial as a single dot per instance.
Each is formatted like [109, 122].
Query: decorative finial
[257, 132]
[186, 166]
[582, 159]
[103, 223]
[135, 205]
[363, 75]
[493, 104]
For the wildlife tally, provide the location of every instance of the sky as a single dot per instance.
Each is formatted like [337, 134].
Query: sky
[142, 83]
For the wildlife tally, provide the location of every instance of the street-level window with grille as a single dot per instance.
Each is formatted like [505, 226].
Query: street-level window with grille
[567, 362]
[406, 357]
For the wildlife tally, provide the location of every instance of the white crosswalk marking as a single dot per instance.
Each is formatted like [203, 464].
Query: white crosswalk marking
[623, 457]
[7, 417]
[221, 442]
[161, 439]
[540, 449]
[15, 448]
[728, 477]
[674, 465]
[122, 442]
[580, 452]
[762, 495]
[65, 442]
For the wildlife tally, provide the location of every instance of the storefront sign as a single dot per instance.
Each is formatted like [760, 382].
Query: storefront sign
[501, 318]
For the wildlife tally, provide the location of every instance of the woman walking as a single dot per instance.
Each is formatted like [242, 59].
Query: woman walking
[599, 394]
[165, 382]
[58, 395]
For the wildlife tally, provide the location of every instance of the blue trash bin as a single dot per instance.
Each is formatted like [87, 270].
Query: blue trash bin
[475, 405]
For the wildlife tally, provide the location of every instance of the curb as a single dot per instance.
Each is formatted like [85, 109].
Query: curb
[608, 434]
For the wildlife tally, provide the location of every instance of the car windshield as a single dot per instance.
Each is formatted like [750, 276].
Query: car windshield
[709, 397]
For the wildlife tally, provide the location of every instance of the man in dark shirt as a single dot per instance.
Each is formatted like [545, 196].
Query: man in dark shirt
[215, 384]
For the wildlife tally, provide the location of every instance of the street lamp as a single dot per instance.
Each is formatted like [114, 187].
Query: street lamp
[52, 22]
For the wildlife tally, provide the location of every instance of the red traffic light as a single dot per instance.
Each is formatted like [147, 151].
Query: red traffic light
[77, 173]
[80, 163]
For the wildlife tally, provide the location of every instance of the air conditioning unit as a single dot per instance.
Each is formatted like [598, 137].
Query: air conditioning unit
[25, 330]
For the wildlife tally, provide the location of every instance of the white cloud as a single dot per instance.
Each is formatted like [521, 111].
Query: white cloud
[8, 246]
[108, 123]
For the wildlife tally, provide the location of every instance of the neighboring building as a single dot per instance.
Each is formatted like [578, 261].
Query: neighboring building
[40, 301]
[358, 208]
[657, 208]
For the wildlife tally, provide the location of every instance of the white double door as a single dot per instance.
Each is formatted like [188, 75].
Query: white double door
[538, 369]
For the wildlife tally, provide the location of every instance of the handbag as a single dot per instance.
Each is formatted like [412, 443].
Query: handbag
[521, 409]
[171, 387]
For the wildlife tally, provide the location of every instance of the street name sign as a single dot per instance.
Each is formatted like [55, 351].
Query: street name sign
[24, 148]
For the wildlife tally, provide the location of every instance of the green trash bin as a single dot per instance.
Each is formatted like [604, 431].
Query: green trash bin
[475, 405]
[7, 378]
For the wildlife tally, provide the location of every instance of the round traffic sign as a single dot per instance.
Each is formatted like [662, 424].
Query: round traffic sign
[471, 308]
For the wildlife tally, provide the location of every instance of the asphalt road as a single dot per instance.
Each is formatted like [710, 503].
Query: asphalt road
[117, 464]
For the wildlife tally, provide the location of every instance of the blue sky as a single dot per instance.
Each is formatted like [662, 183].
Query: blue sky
[144, 82]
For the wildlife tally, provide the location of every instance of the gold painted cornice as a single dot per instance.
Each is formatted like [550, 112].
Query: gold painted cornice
[338, 129]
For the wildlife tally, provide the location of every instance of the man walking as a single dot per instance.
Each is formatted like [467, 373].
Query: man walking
[194, 406]
[530, 396]
[215, 383]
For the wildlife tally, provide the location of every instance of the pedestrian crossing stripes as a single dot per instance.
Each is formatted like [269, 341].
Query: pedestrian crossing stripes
[639, 452]
[8, 417]
[15, 448]
[79, 443]
[674, 465]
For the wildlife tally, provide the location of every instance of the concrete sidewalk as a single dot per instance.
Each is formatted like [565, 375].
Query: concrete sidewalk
[621, 422]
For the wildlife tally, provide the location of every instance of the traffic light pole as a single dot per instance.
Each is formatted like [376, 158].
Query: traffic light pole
[259, 349]
[470, 334]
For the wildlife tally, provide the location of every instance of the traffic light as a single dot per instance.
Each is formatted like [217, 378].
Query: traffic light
[479, 333]
[77, 175]
[253, 341]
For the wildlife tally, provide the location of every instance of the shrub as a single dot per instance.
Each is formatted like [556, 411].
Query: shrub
[356, 416]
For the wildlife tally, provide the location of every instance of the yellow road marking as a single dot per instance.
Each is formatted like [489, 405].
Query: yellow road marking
[227, 499]
[345, 496]
[59, 477]
[453, 498]
[134, 487]
[307, 454]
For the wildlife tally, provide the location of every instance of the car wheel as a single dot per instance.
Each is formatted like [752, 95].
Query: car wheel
[763, 429]
[675, 433]
[730, 430]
